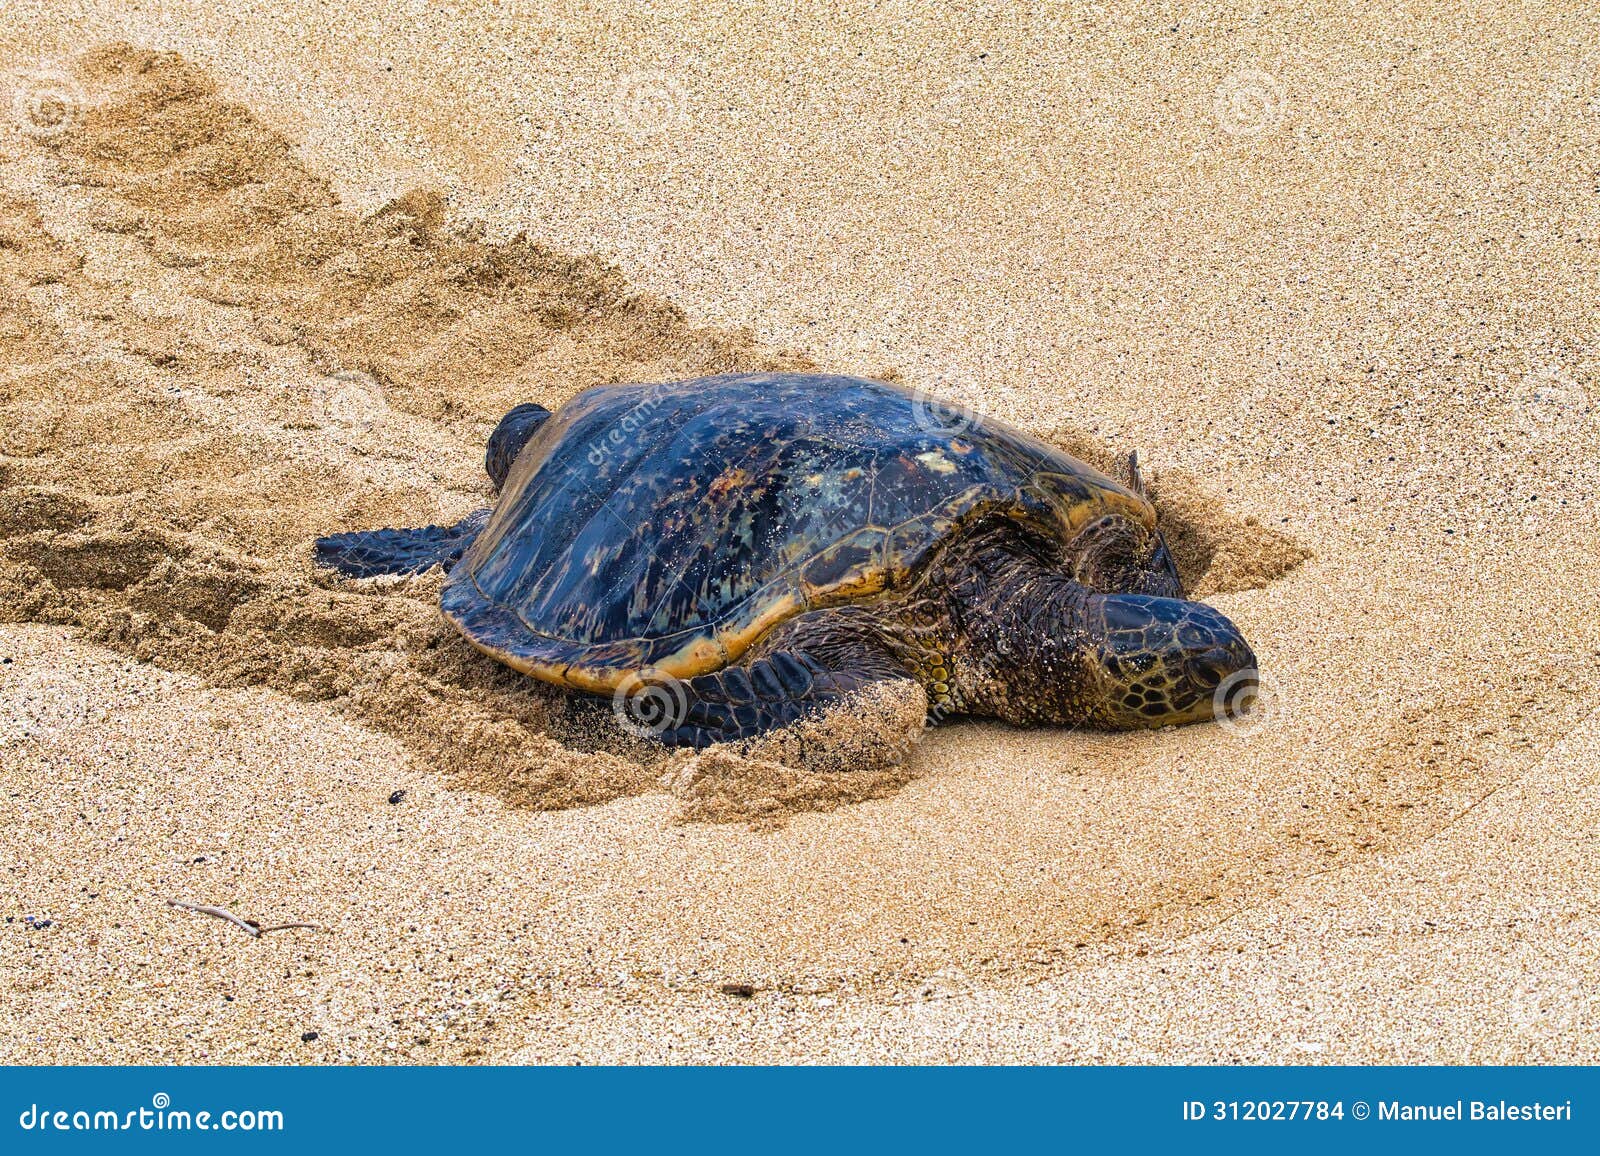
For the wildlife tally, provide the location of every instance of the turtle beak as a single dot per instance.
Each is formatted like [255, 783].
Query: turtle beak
[1227, 677]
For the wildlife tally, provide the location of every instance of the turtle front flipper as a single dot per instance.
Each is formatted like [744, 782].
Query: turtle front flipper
[369, 553]
[514, 431]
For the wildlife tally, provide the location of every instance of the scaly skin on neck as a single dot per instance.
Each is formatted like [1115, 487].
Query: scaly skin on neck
[1029, 644]
[1019, 631]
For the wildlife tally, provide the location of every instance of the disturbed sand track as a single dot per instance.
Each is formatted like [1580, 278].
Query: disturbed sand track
[284, 368]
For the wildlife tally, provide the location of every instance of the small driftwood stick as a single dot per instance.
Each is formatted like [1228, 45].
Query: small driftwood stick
[248, 926]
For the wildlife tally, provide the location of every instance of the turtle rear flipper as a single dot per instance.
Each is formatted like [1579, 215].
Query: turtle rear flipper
[369, 553]
[826, 661]
[780, 689]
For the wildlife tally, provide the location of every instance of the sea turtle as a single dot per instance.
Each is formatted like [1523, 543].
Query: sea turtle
[769, 545]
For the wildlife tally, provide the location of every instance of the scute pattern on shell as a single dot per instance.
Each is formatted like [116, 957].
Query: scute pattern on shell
[669, 526]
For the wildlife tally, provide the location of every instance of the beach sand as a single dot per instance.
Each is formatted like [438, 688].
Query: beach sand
[261, 279]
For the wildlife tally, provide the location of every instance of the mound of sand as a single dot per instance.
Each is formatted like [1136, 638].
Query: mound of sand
[228, 363]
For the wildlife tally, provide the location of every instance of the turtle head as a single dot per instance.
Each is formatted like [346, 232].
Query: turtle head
[509, 437]
[1061, 648]
[1162, 661]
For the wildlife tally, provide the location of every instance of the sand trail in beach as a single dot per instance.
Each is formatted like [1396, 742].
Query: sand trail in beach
[249, 364]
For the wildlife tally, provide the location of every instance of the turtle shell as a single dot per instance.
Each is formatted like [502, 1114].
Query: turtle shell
[666, 528]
